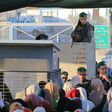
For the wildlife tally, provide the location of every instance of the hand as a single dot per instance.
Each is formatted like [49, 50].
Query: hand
[105, 77]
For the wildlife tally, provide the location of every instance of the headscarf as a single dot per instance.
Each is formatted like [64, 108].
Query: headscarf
[33, 101]
[22, 102]
[51, 92]
[61, 104]
[71, 106]
[14, 106]
[18, 110]
[79, 110]
[73, 93]
[96, 95]
[27, 110]
[33, 89]
[109, 95]
[75, 80]
[110, 106]
[87, 105]
[67, 86]
[46, 105]
[39, 109]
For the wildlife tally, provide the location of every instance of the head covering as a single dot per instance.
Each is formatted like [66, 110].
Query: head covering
[73, 93]
[33, 101]
[64, 72]
[33, 89]
[82, 14]
[61, 93]
[67, 86]
[46, 105]
[39, 109]
[87, 105]
[96, 95]
[71, 106]
[18, 110]
[51, 92]
[14, 106]
[42, 84]
[82, 69]
[61, 104]
[110, 106]
[22, 102]
[109, 95]
[79, 110]
[42, 37]
[27, 110]
[100, 64]
[75, 80]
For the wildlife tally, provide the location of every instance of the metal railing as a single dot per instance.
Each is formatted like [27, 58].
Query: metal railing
[15, 26]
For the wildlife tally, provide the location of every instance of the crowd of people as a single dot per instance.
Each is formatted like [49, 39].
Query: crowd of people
[76, 95]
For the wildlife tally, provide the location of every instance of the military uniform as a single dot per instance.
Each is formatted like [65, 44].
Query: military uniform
[87, 85]
[85, 32]
[107, 84]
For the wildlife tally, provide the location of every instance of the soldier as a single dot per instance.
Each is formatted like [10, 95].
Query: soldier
[84, 31]
[102, 69]
[64, 76]
[81, 72]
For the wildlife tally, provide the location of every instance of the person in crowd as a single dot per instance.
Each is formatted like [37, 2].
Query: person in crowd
[35, 89]
[102, 69]
[39, 109]
[82, 74]
[61, 93]
[64, 76]
[97, 95]
[42, 84]
[18, 110]
[61, 104]
[109, 98]
[52, 94]
[42, 37]
[27, 110]
[6, 93]
[67, 86]
[46, 105]
[79, 110]
[33, 101]
[15, 106]
[71, 106]
[87, 105]
[2, 105]
[22, 102]
[73, 93]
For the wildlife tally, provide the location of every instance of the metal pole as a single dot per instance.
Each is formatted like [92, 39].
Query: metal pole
[57, 37]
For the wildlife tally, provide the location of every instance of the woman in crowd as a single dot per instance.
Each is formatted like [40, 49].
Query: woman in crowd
[33, 101]
[97, 95]
[52, 94]
[67, 86]
[87, 105]
[76, 82]
[15, 106]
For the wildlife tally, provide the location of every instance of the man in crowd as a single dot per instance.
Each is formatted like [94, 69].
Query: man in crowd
[64, 76]
[102, 69]
[82, 73]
